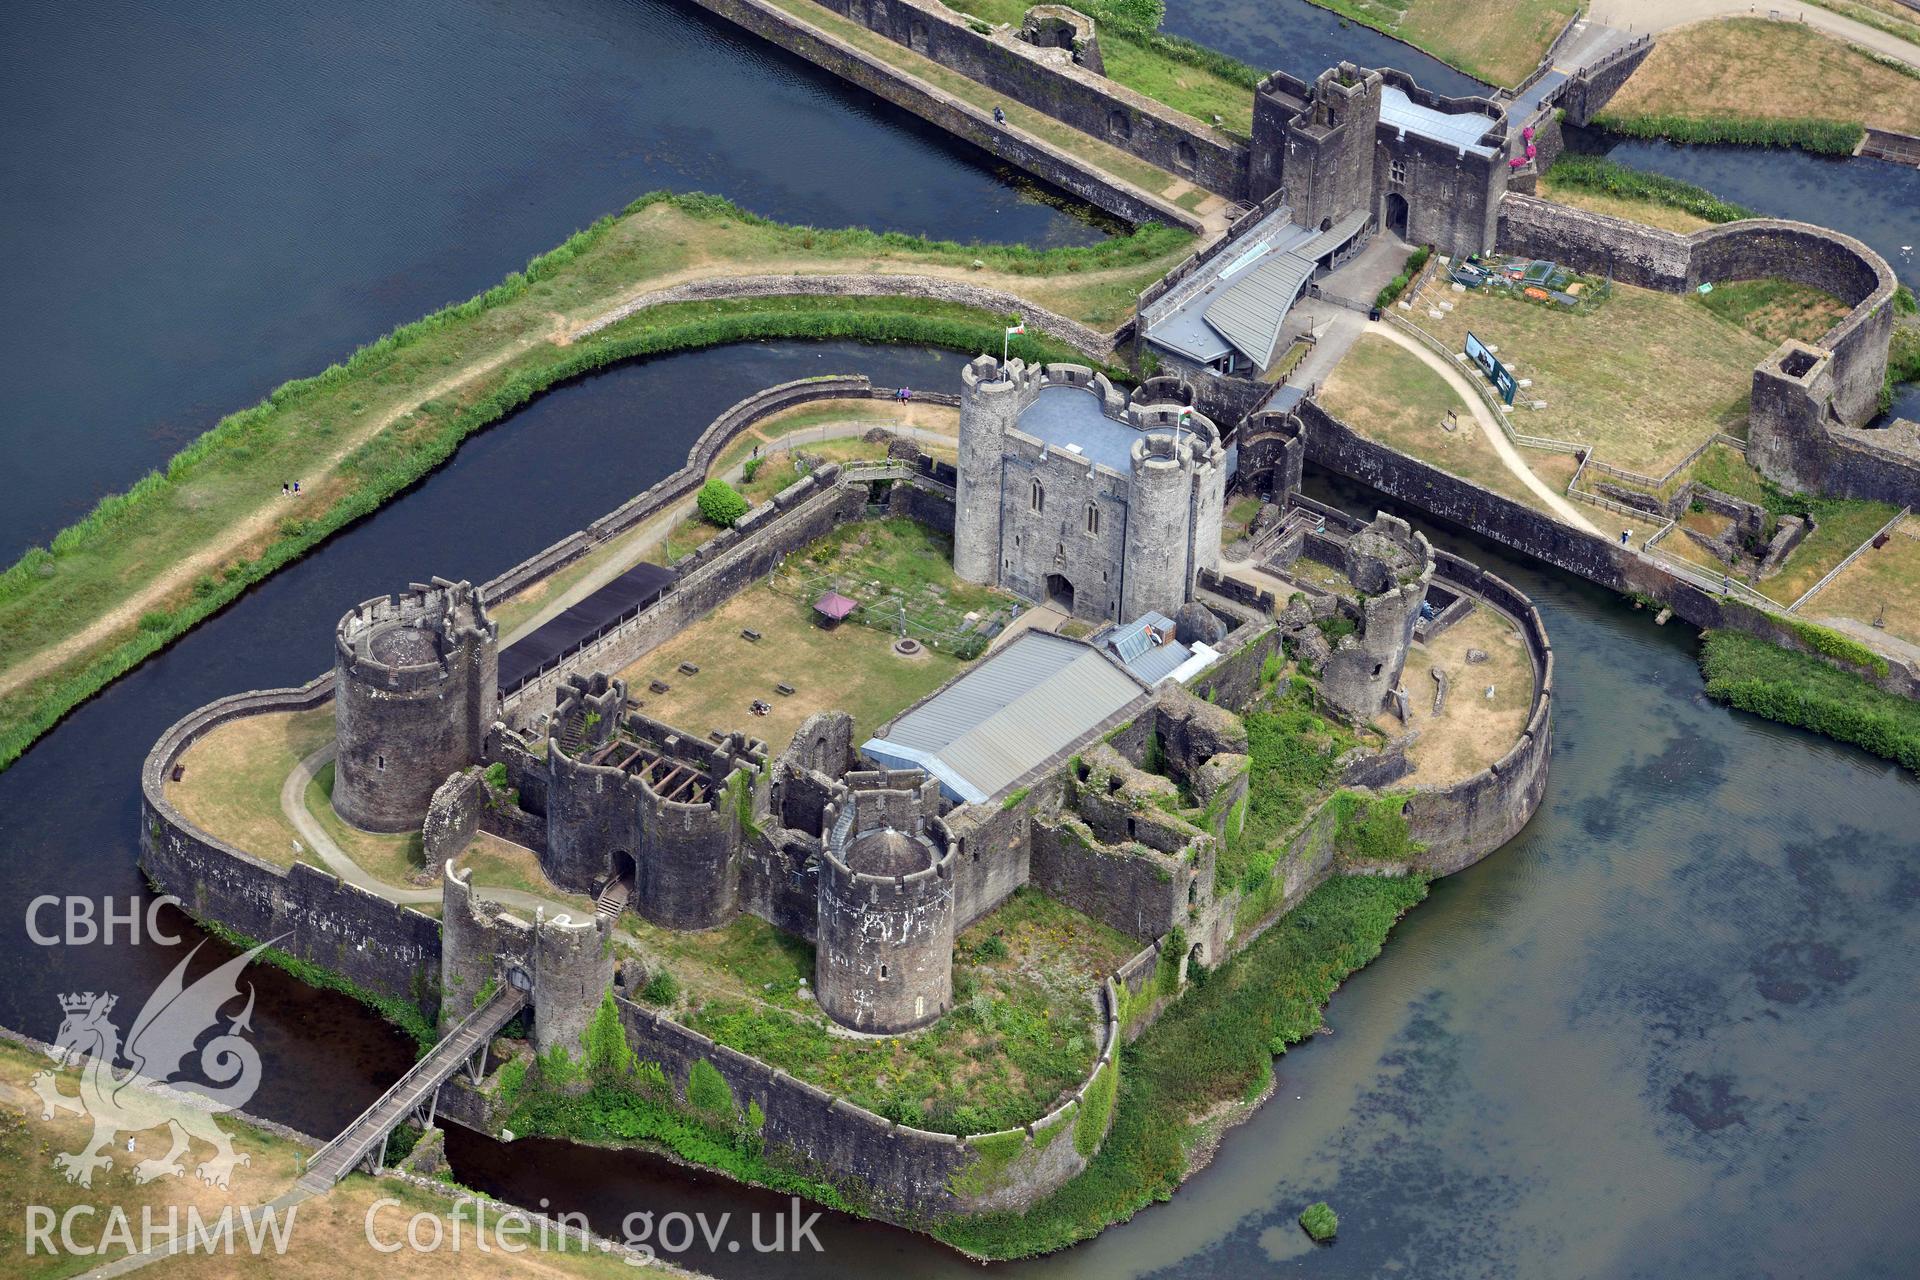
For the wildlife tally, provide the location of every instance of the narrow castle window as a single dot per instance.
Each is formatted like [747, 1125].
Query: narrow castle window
[380, 762]
[1039, 497]
[1093, 519]
[1397, 171]
[883, 973]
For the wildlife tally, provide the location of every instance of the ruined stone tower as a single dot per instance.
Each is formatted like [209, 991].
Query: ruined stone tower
[416, 680]
[633, 799]
[1391, 564]
[884, 953]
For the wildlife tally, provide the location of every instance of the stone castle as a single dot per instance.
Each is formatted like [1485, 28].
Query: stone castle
[1104, 505]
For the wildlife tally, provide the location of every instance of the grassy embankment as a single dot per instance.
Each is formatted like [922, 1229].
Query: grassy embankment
[148, 564]
[1188, 77]
[1019, 1036]
[1757, 82]
[1499, 41]
[1604, 186]
[1207, 1058]
[327, 1236]
[1799, 689]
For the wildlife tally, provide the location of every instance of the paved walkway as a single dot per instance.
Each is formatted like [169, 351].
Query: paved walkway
[637, 543]
[1640, 16]
[293, 803]
[1490, 427]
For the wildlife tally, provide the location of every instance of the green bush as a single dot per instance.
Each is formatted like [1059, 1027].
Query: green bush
[662, 988]
[609, 1058]
[1607, 177]
[1798, 689]
[1320, 1221]
[751, 468]
[1825, 137]
[720, 503]
[708, 1091]
[1090, 1125]
[1833, 644]
[1395, 287]
[1209, 1047]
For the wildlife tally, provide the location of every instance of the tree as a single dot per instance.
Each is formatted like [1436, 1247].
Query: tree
[720, 503]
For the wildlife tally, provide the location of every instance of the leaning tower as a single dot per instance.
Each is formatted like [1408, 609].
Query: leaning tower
[884, 960]
[416, 683]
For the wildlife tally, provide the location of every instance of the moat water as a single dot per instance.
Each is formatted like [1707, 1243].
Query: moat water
[206, 199]
[1669, 1030]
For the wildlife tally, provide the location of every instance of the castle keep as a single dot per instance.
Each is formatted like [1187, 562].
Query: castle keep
[1103, 505]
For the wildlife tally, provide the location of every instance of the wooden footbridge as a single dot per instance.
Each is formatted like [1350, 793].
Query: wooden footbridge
[414, 1093]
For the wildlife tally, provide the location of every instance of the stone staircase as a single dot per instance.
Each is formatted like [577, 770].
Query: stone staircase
[613, 899]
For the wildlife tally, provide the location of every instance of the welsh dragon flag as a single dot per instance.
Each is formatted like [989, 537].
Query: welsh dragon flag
[1016, 328]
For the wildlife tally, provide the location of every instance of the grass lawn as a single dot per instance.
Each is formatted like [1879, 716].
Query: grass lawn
[330, 1243]
[1643, 377]
[851, 668]
[1499, 41]
[1020, 1035]
[895, 567]
[94, 604]
[1776, 309]
[1758, 69]
[231, 781]
[1648, 212]
[1102, 155]
[1181, 85]
[1472, 730]
[1386, 393]
[1237, 519]
[1840, 526]
[392, 858]
[29, 1143]
[502, 864]
[1883, 584]
[829, 418]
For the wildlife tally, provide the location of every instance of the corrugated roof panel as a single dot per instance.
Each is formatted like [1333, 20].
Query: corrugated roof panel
[1160, 662]
[1459, 130]
[1031, 700]
[1249, 314]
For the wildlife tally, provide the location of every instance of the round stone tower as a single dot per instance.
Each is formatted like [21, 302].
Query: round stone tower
[884, 955]
[1157, 553]
[416, 681]
[572, 969]
[990, 403]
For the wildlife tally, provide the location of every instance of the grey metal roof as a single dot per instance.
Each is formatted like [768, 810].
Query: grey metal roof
[1037, 696]
[1132, 640]
[1252, 302]
[1249, 314]
[1462, 130]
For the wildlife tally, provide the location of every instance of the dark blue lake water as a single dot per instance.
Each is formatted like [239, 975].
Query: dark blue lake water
[203, 199]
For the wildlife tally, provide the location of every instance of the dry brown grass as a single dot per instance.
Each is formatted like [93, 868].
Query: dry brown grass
[1887, 579]
[231, 781]
[1754, 67]
[1386, 393]
[1472, 730]
[1644, 377]
[330, 1243]
[1646, 212]
[851, 668]
[28, 1144]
